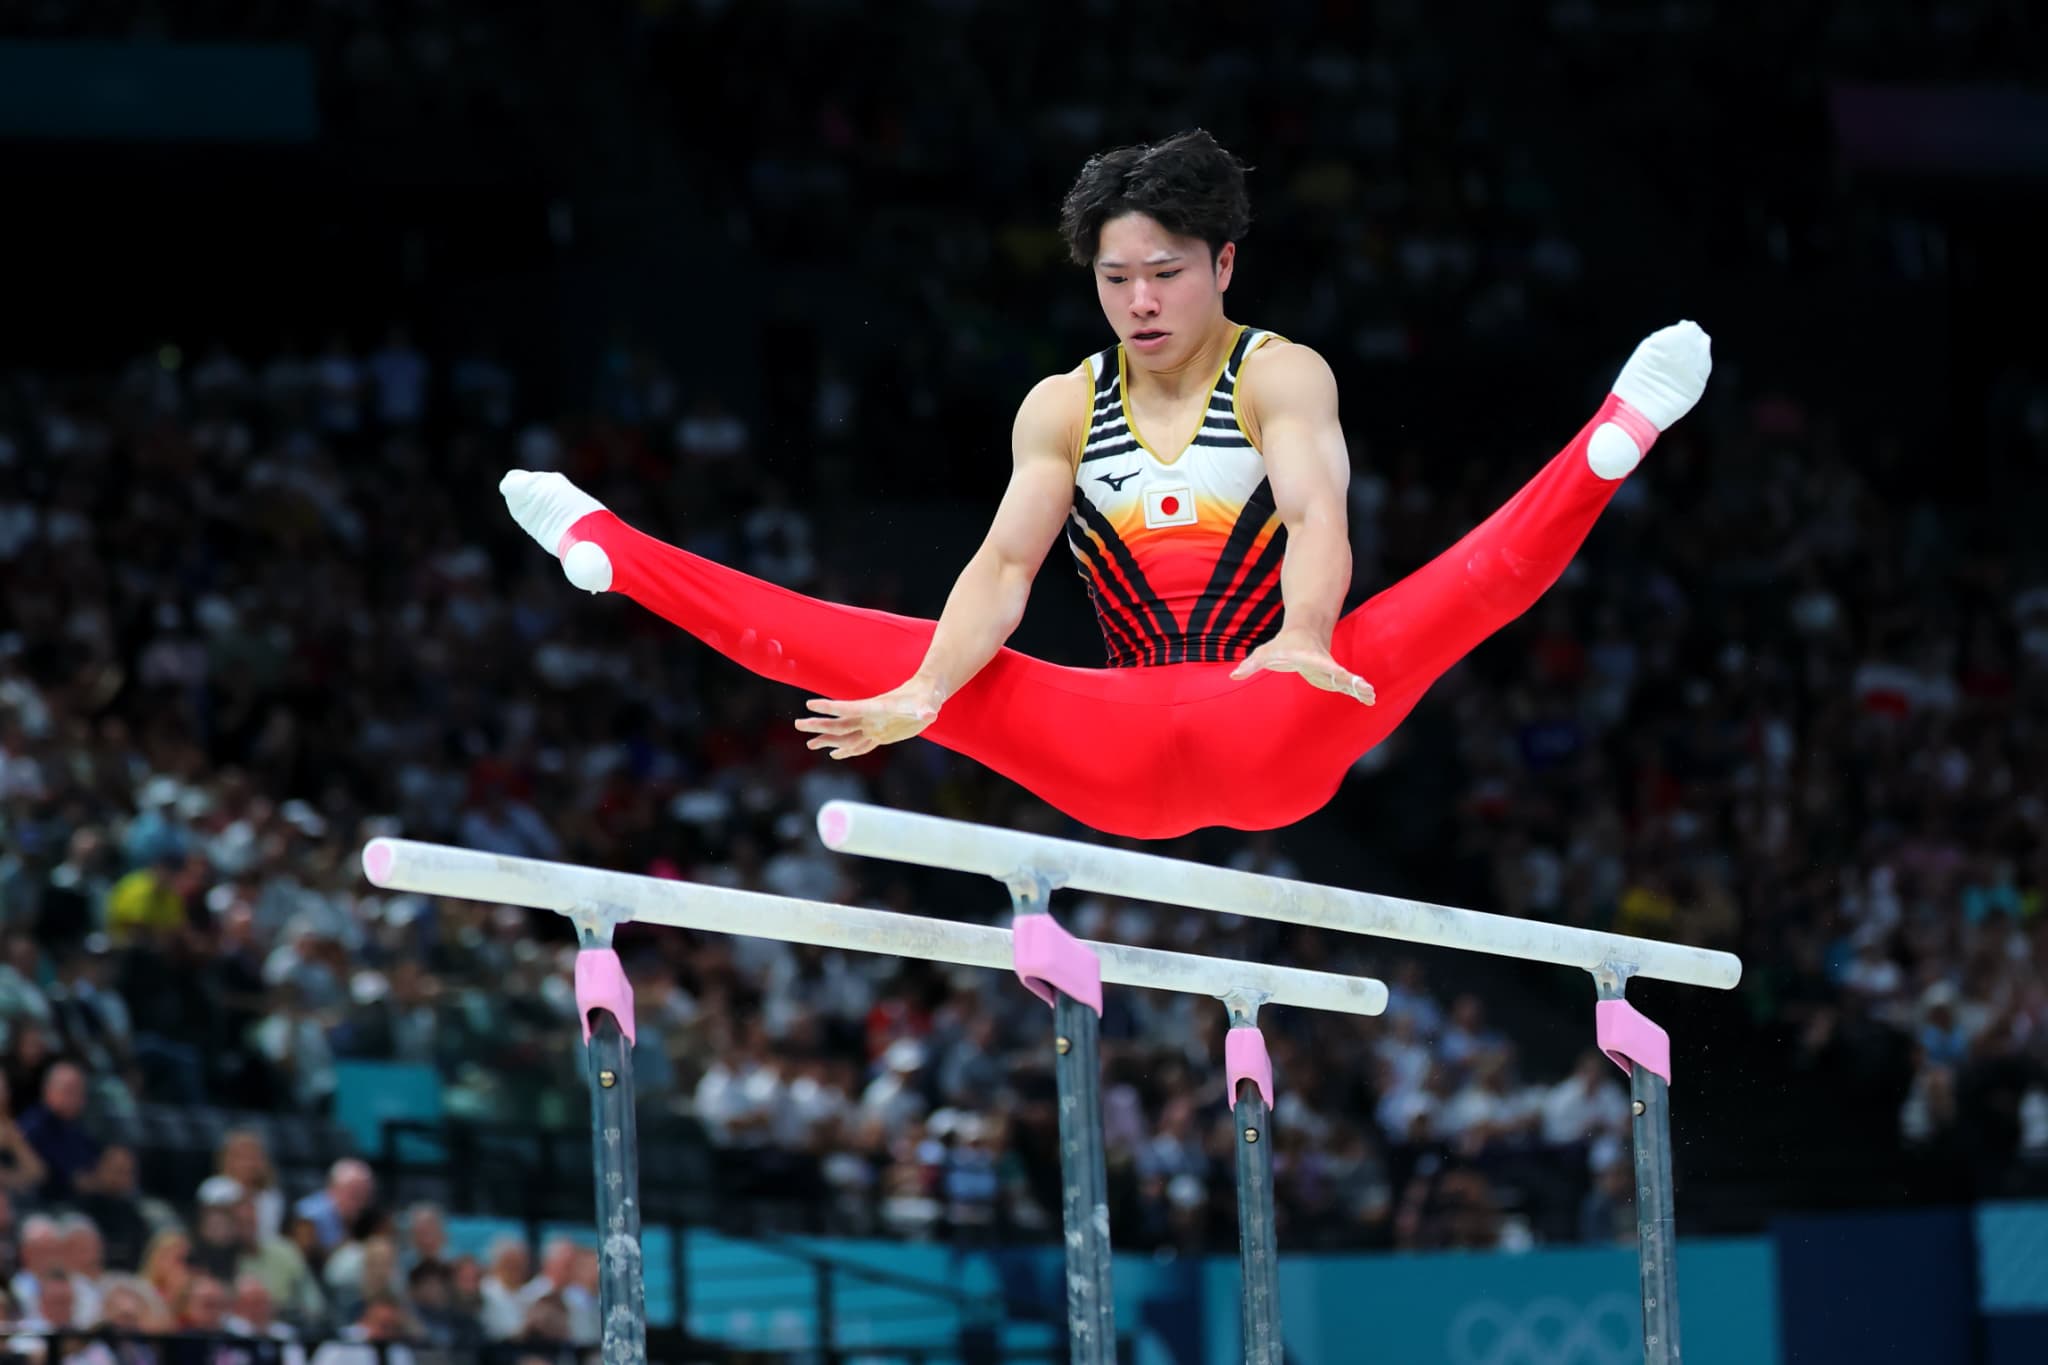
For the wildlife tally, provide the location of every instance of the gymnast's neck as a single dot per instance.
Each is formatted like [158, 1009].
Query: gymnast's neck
[1182, 378]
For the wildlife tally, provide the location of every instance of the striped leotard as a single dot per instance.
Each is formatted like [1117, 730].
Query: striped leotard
[1181, 553]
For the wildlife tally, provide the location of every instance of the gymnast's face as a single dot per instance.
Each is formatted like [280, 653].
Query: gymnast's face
[1161, 292]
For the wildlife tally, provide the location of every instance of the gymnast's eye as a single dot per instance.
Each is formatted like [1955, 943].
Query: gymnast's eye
[1168, 274]
[1114, 279]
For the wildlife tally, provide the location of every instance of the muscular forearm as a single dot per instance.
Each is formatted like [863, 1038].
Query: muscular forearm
[984, 607]
[1314, 576]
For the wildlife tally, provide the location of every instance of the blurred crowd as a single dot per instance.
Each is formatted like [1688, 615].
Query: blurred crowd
[242, 1271]
[261, 603]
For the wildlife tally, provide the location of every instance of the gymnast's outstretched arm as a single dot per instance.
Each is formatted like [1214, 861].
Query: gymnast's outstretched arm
[1290, 404]
[988, 598]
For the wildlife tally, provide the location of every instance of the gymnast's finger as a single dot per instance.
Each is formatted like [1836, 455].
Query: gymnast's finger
[831, 725]
[1353, 686]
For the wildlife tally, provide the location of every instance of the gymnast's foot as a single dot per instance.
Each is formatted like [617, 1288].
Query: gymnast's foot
[546, 506]
[1659, 385]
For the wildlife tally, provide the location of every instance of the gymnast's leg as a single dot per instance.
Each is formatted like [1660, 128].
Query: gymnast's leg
[1090, 742]
[1406, 637]
[781, 635]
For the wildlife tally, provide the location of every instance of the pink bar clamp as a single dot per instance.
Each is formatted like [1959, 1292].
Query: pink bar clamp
[601, 985]
[1245, 1059]
[1049, 958]
[1626, 1036]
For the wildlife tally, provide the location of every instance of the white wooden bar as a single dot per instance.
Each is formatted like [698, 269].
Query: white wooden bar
[930, 841]
[439, 870]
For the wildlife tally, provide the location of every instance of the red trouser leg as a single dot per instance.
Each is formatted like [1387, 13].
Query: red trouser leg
[1402, 640]
[1409, 635]
[1090, 742]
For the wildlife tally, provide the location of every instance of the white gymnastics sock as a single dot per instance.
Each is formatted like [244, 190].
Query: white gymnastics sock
[1662, 380]
[546, 505]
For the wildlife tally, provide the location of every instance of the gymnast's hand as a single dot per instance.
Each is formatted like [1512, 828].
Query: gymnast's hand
[848, 729]
[1299, 651]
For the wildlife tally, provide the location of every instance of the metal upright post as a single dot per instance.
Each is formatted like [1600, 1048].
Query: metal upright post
[1643, 1050]
[1249, 1070]
[604, 1002]
[1067, 975]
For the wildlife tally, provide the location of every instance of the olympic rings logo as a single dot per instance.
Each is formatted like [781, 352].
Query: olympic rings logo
[1547, 1331]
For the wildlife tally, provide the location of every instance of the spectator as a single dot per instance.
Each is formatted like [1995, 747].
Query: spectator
[426, 1236]
[430, 1287]
[335, 1207]
[382, 1322]
[544, 1331]
[245, 1160]
[42, 1262]
[466, 1292]
[361, 1270]
[278, 1265]
[53, 1313]
[167, 1266]
[21, 1169]
[504, 1305]
[203, 1314]
[125, 1218]
[91, 1017]
[147, 906]
[128, 1310]
[54, 1130]
[251, 1315]
[82, 1254]
[215, 1247]
[568, 1281]
[54, 1304]
[31, 1052]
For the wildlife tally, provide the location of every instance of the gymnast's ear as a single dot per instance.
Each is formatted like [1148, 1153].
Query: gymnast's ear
[1226, 259]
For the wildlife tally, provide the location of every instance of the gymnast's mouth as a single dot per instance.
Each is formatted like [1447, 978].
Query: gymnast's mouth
[1150, 337]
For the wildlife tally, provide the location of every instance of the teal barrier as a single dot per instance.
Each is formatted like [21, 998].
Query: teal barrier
[2012, 1257]
[2012, 1281]
[1568, 1306]
[368, 1094]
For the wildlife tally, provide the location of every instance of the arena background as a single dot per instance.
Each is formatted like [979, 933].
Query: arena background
[292, 285]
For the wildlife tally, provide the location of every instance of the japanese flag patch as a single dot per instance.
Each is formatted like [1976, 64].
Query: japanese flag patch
[1173, 506]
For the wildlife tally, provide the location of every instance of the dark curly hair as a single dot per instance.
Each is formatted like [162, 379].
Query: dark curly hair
[1186, 183]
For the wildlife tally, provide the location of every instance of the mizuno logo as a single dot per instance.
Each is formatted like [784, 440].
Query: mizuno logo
[1116, 483]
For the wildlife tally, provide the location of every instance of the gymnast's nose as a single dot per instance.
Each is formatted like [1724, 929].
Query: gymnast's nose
[1144, 301]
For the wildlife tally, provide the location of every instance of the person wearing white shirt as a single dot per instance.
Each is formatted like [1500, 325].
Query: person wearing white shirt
[83, 1256]
[503, 1309]
[568, 1272]
[1586, 1104]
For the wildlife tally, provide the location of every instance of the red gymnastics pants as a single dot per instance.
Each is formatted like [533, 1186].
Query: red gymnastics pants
[1148, 752]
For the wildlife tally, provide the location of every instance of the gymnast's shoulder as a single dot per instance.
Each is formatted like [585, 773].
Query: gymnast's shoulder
[1054, 415]
[1285, 377]
[1278, 361]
